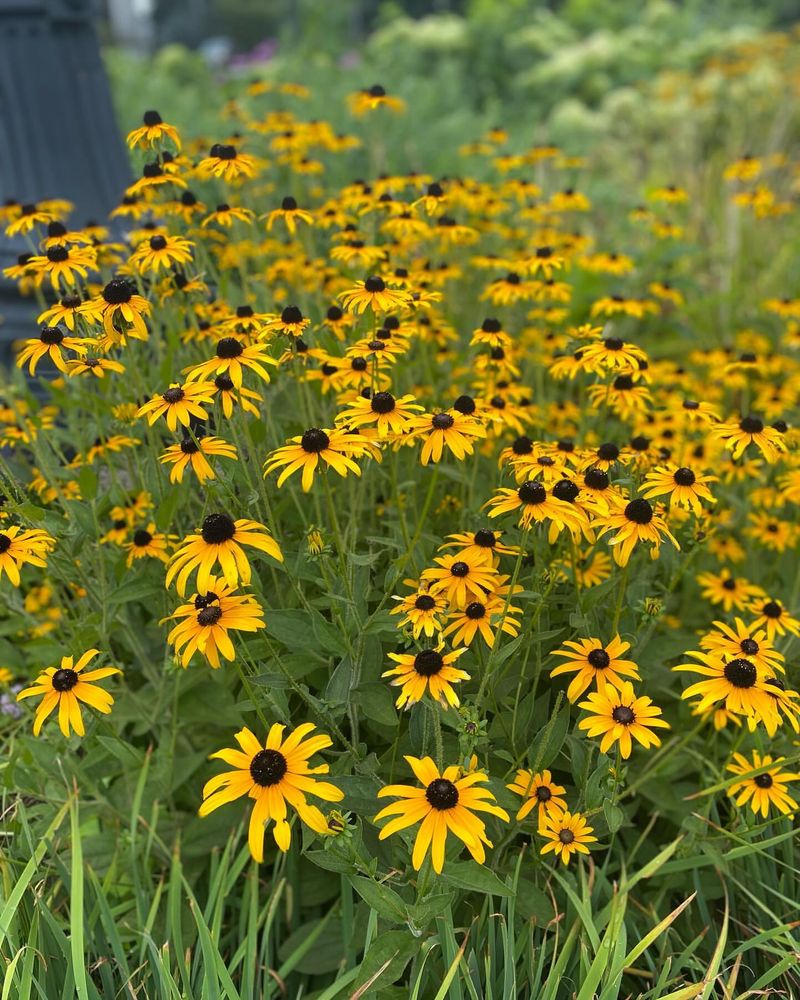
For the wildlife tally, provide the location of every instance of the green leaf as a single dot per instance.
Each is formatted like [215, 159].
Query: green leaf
[87, 481]
[386, 959]
[471, 875]
[613, 814]
[431, 907]
[385, 901]
[376, 702]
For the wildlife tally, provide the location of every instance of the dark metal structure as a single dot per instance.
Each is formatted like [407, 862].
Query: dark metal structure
[58, 134]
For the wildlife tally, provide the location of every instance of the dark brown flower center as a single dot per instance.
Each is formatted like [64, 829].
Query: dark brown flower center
[291, 315]
[118, 291]
[64, 680]
[173, 395]
[210, 615]
[268, 767]
[566, 491]
[314, 441]
[543, 793]
[475, 611]
[599, 659]
[639, 511]
[763, 780]
[596, 479]
[751, 425]
[142, 538]
[623, 715]
[749, 647]
[684, 477]
[566, 836]
[442, 421]
[459, 569]
[229, 347]
[740, 673]
[428, 662]
[608, 452]
[442, 794]
[424, 602]
[51, 335]
[522, 446]
[217, 528]
[532, 493]
[383, 402]
[374, 284]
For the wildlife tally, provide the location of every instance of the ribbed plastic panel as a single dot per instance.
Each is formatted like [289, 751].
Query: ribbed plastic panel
[58, 134]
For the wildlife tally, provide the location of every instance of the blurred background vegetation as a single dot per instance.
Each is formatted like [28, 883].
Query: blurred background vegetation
[577, 73]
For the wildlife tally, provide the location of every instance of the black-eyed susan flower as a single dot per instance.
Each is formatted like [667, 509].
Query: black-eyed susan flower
[374, 293]
[538, 790]
[684, 487]
[220, 540]
[383, 411]
[160, 253]
[461, 578]
[613, 354]
[771, 532]
[617, 714]
[231, 395]
[337, 448]
[594, 663]
[744, 640]
[290, 321]
[232, 357]
[93, 366]
[289, 214]
[67, 311]
[737, 435]
[63, 266]
[20, 547]
[422, 610]
[486, 617]
[737, 682]
[179, 404]
[482, 544]
[765, 789]
[225, 162]
[566, 833]
[535, 505]
[153, 131]
[147, 543]
[446, 429]
[225, 215]
[65, 687]
[447, 801]
[730, 591]
[430, 670]
[773, 617]
[637, 522]
[51, 343]
[371, 98]
[192, 453]
[491, 332]
[208, 617]
[121, 309]
[275, 776]
[27, 217]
